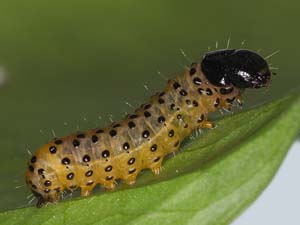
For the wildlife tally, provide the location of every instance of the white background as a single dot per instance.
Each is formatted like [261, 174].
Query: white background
[279, 204]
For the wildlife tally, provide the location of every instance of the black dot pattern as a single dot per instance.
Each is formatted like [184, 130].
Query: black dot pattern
[52, 149]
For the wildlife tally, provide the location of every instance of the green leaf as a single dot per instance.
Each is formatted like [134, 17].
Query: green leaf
[211, 181]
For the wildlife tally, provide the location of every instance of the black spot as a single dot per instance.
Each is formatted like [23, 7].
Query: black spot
[33, 159]
[197, 81]
[161, 94]
[153, 148]
[131, 124]
[230, 100]
[109, 178]
[81, 135]
[188, 102]
[132, 171]
[147, 114]
[70, 176]
[186, 125]
[145, 134]
[34, 186]
[76, 143]
[89, 173]
[90, 182]
[195, 103]
[183, 92]
[94, 139]
[161, 119]
[201, 91]
[176, 85]
[116, 125]
[113, 133]
[47, 183]
[131, 161]
[161, 101]
[171, 133]
[172, 106]
[105, 154]
[52, 149]
[225, 91]
[200, 119]
[176, 144]
[192, 71]
[148, 106]
[217, 102]
[47, 190]
[65, 161]
[58, 142]
[86, 158]
[31, 169]
[179, 116]
[208, 91]
[108, 168]
[99, 131]
[133, 116]
[41, 171]
[156, 159]
[126, 146]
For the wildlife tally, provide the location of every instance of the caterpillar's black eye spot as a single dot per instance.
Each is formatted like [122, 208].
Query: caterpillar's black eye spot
[186, 125]
[126, 146]
[108, 169]
[133, 116]
[89, 173]
[239, 67]
[176, 85]
[183, 92]
[195, 103]
[47, 183]
[116, 125]
[200, 119]
[41, 171]
[47, 191]
[33, 159]
[188, 102]
[131, 171]
[76, 143]
[201, 91]
[31, 169]
[52, 149]
[147, 114]
[148, 106]
[70, 176]
[156, 159]
[86, 158]
[80, 135]
[109, 178]
[197, 81]
[65, 161]
[145, 134]
[209, 91]
[153, 148]
[89, 183]
[131, 161]
[131, 124]
[161, 101]
[179, 116]
[58, 142]
[113, 133]
[100, 131]
[105, 154]
[95, 139]
[192, 71]
[217, 102]
[225, 91]
[161, 119]
[171, 133]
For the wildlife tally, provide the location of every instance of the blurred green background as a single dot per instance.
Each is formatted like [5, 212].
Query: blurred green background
[69, 62]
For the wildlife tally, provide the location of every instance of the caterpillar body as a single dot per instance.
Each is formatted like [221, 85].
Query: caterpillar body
[142, 140]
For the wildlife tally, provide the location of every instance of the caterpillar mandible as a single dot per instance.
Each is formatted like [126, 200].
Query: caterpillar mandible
[142, 140]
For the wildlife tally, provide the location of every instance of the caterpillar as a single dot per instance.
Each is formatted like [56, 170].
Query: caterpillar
[142, 140]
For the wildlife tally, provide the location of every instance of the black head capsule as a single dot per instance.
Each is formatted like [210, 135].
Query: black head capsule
[239, 67]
